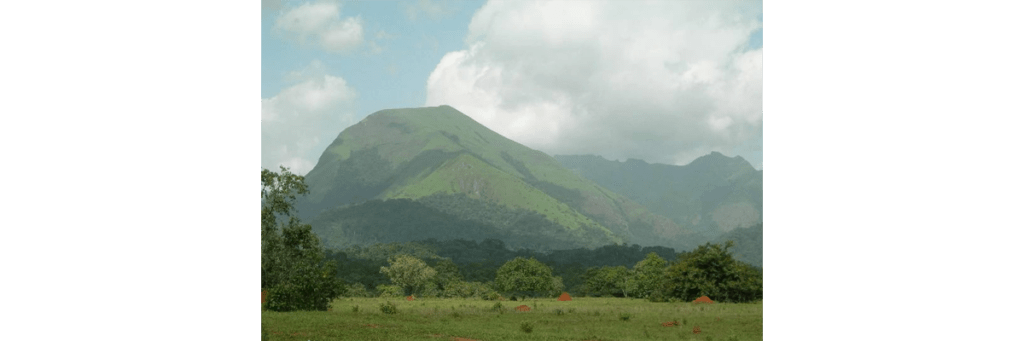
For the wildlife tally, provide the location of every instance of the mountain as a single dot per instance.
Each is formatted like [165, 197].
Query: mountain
[748, 245]
[402, 174]
[713, 195]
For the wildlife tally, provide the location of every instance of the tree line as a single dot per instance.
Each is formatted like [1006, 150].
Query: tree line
[298, 273]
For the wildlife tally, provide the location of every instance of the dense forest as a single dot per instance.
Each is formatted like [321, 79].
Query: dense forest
[300, 273]
[480, 261]
[442, 216]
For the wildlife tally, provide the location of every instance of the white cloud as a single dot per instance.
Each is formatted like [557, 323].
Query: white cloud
[267, 6]
[271, 5]
[661, 81]
[321, 23]
[431, 9]
[385, 35]
[302, 120]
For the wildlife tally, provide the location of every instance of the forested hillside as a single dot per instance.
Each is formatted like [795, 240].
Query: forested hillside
[407, 174]
[479, 261]
[713, 195]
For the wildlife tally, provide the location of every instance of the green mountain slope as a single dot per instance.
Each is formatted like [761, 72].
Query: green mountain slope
[749, 242]
[714, 194]
[441, 158]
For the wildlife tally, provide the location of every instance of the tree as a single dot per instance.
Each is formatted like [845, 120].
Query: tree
[648, 273]
[408, 272]
[711, 271]
[447, 273]
[609, 281]
[522, 276]
[294, 269]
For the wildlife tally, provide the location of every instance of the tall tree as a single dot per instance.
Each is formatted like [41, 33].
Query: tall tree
[648, 273]
[294, 269]
[522, 276]
[609, 281]
[711, 271]
[408, 272]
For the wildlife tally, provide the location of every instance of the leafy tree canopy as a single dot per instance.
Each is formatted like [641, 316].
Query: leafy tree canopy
[647, 274]
[293, 266]
[409, 273]
[527, 277]
[711, 271]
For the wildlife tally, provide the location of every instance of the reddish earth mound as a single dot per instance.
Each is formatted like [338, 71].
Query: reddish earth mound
[565, 297]
[522, 308]
[409, 298]
[669, 324]
[703, 299]
[696, 329]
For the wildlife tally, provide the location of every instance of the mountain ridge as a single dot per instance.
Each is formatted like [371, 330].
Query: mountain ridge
[416, 153]
[713, 194]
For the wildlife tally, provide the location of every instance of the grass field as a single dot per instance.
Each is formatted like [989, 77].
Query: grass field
[549, 319]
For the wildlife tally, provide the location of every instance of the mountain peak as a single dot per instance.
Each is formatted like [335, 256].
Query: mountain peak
[442, 158]
[717, 158]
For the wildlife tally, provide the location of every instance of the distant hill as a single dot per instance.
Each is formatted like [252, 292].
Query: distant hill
[748, 246]
[458, 179]
[713, 195]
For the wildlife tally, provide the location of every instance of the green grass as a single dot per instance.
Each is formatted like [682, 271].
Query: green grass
[579, 319]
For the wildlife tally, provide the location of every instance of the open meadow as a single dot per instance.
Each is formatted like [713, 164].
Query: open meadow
[583, 318]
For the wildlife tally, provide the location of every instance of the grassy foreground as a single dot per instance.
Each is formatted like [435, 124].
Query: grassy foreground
[472, 319]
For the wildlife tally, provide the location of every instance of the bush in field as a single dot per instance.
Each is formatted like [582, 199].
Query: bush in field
[357, 290]
[468, 289]
[642, 281]
[390, 291]
[388, 308]
[711, 271]
[491, 296]
[457, 289]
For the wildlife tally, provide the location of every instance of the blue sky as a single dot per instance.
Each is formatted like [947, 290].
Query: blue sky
[660, 81]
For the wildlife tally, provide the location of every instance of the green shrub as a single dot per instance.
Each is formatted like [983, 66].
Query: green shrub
[491, 296]
[625, 316]
[497, 307]
[526, 327]
[710, 270]
[388, 308]
[390, 291]
[355, 309]
[656, 296]
[291, 297]
[358, 290]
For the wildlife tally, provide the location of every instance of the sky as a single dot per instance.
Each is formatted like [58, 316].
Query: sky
[660, 81]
